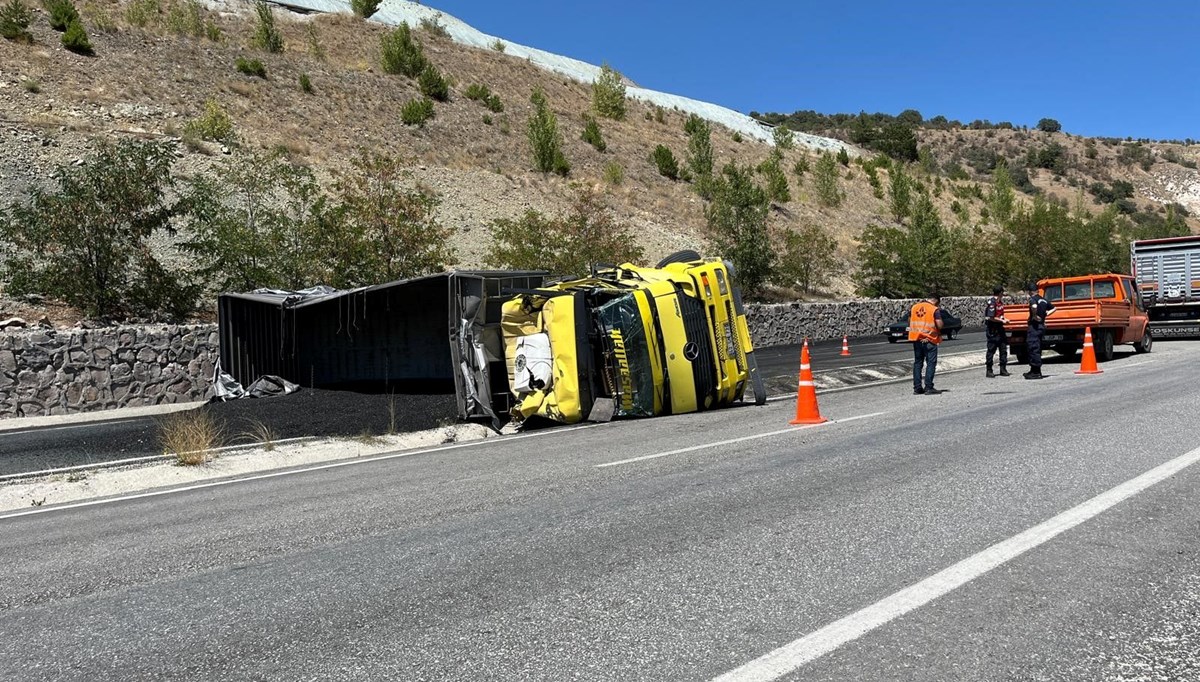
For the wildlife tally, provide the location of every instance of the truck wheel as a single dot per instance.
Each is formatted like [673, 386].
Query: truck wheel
[1144, 345]
[685, 256]
[1066, 350]
[1022, 354]
[1103, 341]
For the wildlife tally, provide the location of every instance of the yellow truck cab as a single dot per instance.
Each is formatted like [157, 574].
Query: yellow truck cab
[630, 341]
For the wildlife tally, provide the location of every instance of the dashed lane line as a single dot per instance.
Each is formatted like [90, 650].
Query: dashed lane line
[731, 441]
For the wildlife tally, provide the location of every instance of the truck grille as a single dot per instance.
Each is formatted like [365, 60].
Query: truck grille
[704, 369]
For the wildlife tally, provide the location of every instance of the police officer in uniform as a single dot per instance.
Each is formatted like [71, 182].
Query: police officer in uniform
[993, 321]
[925, 333]
[1039, 309]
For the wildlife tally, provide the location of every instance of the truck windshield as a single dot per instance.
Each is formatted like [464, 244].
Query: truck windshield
[629, 377]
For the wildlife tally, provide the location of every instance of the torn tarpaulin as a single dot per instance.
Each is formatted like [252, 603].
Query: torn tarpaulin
[225, 387]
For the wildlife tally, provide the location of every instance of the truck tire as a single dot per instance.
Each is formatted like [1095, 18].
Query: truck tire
[1022, 354]
[1103, 341]
[1066, 350]
[685, 256]
[1144, 345]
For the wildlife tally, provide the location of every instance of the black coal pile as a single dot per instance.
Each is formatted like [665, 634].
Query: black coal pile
[321, 413]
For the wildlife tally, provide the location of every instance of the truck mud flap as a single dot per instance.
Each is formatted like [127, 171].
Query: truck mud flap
[756, 380]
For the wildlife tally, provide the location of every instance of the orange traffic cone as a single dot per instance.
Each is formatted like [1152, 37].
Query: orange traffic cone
[807, 411]
[1088, 364]
[845, 346]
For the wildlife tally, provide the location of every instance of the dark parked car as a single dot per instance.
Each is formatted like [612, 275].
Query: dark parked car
[898, 330]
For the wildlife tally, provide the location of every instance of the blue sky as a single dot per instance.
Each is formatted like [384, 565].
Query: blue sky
[1101, 68]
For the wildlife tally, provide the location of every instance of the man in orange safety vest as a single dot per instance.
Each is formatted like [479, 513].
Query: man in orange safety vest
[925, 333]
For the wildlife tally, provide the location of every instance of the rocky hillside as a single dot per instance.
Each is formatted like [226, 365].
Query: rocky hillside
[148, 81]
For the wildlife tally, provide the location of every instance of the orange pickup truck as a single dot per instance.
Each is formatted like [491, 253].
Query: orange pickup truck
[1109, 304]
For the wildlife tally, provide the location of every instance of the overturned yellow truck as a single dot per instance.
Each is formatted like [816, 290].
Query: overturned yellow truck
[630, 341]
[625, 341]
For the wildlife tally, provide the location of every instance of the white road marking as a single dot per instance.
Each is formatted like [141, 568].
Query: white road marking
[45, 429]
[278, 474]
[731, 441]
[135, 460]
[790, 657]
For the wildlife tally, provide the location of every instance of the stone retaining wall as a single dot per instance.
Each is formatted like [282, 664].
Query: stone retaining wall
[55, 372]
[78, 370]
[787, 323]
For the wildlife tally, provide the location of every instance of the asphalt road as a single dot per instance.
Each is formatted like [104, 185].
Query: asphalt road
[50, 447]
[1005, 530]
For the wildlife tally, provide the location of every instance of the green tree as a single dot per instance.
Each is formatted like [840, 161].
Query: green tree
[87, 241]
[592, 134]
[566, 245]
[266, 36]
[432, 84]
[382, 229]
[886, 263]
[62, 13]
[608, 94]
[544, 138]
[256, 222]
[898, 141]
[364, 8]
[1002, 198]
[401, 53]
[1049, 125]
[665, 161]
[808, 259]
[737, 224]
[777, 184]
[75, 38]
[900, 191]
[784, 138]
[700, 153]
[15, 19]
[825, 181]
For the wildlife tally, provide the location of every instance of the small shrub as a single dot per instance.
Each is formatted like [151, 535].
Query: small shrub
[214, 124]
[416, 112]
[305, 84]
[15, 19]
[608, 94]
[76, 40]
[260, 432]
[494, 104]
[212, 31]
[364, 8]
[314, 43]
[544, 138]
[665, 161]
[499, 45]
[737, 137]
[434, 27]
[614, 173]
[843, 157]
[192, 436]
[784, 139]
[401, 53]
[487, 120]
[432, 84]
[266, 36]
[801, 167]
[140, 12]
[477, 93]
[32, 85]
[99, 18]
[186, 18]
[592, 135]
[62, 13]
[660, 114]
[251, 67]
